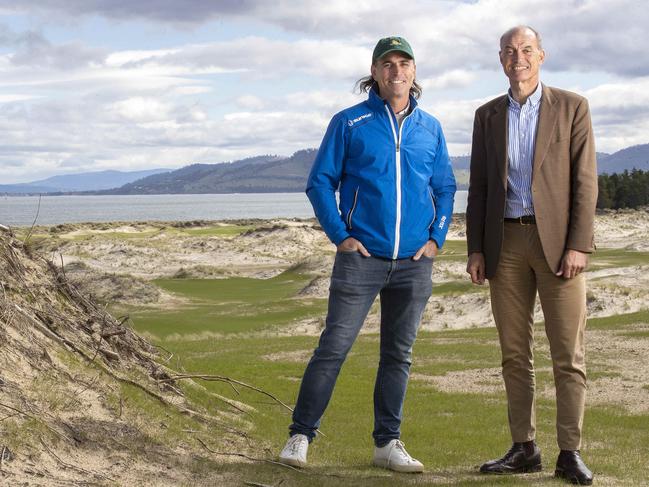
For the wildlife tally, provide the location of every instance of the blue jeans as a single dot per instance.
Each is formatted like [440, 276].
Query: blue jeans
[404, 286]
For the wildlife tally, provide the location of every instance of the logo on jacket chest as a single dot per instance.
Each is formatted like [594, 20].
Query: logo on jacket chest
[358, 119]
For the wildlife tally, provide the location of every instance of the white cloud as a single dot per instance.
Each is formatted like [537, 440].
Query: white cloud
[325, 101]
[448, 33]
[250, 102]
[259, 57]
[9, 97]
[455, 78]
[620, 113]
[190, 90]
[140, 109]
[80, 101]
[456, 117]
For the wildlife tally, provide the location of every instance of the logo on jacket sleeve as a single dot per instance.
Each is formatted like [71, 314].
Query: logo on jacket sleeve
[358, 119]
[441, 222]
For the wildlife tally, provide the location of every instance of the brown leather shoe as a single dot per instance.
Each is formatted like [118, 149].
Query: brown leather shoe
[571, 467]
[521, 458]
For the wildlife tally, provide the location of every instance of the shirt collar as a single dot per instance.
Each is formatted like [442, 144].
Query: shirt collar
[404, 111]
[533, 99]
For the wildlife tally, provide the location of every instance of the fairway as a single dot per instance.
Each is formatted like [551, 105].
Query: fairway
[232, 305]
[455, 415]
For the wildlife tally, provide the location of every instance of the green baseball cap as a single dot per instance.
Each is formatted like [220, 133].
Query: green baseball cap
[391, 44]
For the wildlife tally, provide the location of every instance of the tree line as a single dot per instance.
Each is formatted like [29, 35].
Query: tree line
[629, 189]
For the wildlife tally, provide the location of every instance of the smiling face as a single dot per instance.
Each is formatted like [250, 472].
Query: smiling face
[521, 58]
[394, 73]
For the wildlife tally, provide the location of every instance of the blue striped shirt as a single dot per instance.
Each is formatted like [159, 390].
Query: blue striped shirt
[521, 127]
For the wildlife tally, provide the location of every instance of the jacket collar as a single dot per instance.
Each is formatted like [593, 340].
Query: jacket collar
[547, 121]
[498, 128]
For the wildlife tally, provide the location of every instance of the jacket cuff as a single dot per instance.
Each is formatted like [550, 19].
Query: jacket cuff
[438, 238]
[339, 237]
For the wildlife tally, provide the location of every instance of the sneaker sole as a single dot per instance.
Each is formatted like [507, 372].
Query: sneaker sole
[399, 468]
[293, 462]
[527, 469]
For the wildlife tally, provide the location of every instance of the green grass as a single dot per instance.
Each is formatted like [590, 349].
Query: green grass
[617, 322]
[141, 233]
[236, 289]
[457, 287]
[452, 433]
[217, 231]
[607, 258]
[454, 251]
[231, 305]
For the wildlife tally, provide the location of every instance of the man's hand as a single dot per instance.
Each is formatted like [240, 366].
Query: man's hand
[476, 268]
[573, 263]
[350, 244]
[429, 249]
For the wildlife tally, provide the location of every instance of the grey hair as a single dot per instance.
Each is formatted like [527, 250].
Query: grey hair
[519, 28]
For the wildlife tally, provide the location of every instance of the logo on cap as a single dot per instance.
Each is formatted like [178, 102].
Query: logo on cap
[390, 44]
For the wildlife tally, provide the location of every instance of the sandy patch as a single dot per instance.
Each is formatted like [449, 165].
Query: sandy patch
[299, 356]
[129, 229]
[262, 252]
[616, 291]
[474, 381]
[467, 310]
[444, 271]
[318, 287]
[623, 359]
[628, 229]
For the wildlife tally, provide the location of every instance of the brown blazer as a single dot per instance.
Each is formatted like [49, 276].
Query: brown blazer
[564, 178]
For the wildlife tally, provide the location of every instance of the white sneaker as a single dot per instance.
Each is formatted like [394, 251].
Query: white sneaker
[395, 457]
[294, 452]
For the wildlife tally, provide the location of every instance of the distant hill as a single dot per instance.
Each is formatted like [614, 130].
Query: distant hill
[261, 174]
[87, 181]
[636, 156]
[255, 174]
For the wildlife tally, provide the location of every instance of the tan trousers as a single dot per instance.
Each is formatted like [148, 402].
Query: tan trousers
[522, 270]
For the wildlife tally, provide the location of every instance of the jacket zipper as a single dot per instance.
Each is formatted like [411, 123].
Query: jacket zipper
[432, 200]
[351, 210]
[397, 142]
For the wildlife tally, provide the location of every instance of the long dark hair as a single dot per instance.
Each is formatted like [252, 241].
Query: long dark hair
[366, 83]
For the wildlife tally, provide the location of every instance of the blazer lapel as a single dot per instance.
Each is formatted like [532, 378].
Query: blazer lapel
[499, 134]
[547, 122]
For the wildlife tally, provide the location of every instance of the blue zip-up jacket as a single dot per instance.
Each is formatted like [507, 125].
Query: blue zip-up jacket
[396, 186]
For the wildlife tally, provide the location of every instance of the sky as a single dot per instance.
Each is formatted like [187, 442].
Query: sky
[90, 85]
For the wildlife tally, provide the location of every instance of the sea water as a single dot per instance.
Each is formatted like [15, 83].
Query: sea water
[53, 210]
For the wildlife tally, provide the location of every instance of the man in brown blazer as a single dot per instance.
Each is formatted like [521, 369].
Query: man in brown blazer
[531, 206]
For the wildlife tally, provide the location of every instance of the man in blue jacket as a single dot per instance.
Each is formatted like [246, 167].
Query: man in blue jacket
[388, 160]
